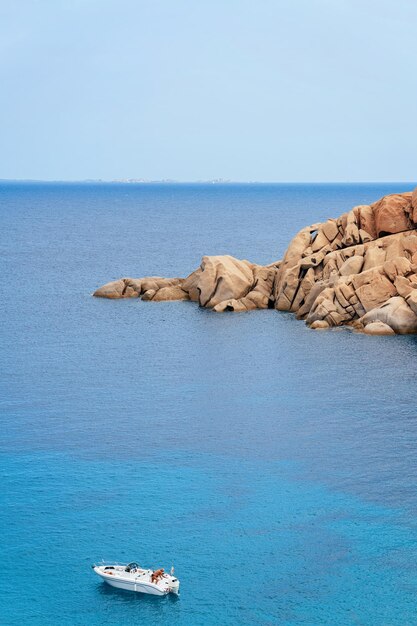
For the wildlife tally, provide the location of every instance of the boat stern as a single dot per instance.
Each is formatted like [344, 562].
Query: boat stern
[174, 586]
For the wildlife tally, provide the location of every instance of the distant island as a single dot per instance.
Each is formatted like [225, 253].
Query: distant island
[358, 270]
[163, 181]
[214, 181]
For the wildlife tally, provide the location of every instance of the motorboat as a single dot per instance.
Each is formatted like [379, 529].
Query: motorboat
[132, 577]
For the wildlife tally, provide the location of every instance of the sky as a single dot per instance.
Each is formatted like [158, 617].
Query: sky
[247, 90]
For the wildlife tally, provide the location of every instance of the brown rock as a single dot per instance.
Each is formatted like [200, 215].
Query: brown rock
[113, 290]
[327, 307]
[234, 306]
[351, 266]
[257, 298]
[392, 214]
[394, 248]
[372, 288]
[149, 294]
[311, 298]
[378, 328]
[396, 313]
[403, 286]
[367, 220]
[289, 286]
[190, 285]
[294, 253]
[411, 300]
[398, 266]
[133, 284]
[330, 230]
[319, 242]
[352, 236]
[364, 236]
[170, 293]
[414, 205]
[374, 256]
[223, 278]
[311, 261]
[409, 243]
[320, 325]
[304, 288]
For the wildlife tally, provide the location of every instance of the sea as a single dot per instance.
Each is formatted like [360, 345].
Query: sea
[273, 466]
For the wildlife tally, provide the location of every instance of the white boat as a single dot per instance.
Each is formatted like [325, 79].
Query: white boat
[134, 578]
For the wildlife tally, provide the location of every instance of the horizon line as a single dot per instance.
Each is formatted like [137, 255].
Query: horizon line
[214, 181]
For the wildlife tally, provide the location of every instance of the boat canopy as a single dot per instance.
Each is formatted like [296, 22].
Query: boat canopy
[131, 566]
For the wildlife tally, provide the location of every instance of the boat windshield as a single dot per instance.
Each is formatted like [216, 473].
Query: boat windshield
[131, 566]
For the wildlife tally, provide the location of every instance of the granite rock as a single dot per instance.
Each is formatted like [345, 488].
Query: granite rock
[378, 328]
[358, 269]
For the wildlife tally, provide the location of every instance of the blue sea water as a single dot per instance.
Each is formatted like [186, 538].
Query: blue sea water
[274, 466]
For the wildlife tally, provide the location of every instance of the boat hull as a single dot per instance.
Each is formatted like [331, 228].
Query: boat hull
[131, 586]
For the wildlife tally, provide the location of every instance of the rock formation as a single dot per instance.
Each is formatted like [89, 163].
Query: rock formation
[359, 269]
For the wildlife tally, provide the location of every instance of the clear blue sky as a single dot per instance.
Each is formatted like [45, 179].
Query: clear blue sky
[269, 90]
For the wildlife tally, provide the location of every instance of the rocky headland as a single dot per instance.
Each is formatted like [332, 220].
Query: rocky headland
[359, 270]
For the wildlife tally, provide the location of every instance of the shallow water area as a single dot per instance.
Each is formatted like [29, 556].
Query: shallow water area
[274, 466]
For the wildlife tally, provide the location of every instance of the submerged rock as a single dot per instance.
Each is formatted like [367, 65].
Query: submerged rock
[359, 269]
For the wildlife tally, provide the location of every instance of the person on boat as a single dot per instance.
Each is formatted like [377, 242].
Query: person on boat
[157, 575]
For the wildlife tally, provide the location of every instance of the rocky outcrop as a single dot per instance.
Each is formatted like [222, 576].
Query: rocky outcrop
[359, 269]
[146, 287]
[222, 283]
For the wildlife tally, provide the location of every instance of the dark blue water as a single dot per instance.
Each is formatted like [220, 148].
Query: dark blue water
[273, 465]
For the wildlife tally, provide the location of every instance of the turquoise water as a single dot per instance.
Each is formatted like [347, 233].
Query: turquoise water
[272, 465]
